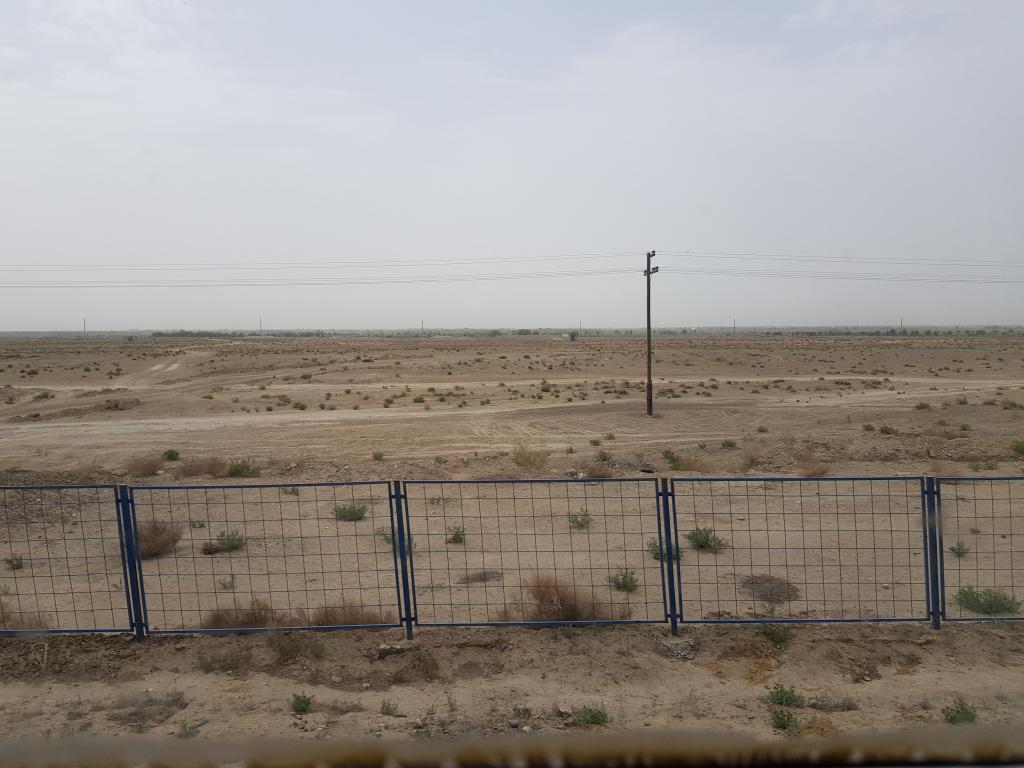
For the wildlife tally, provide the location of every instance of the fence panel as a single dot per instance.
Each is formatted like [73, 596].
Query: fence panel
[536, 552]
[62, 568]
[796, 549]
[267, 556]
[982, 543]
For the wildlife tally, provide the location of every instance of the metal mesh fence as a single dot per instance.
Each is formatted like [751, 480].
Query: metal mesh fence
[982, 539]
[756, 549]
[536, 551]
[61, 567]
[259, 556]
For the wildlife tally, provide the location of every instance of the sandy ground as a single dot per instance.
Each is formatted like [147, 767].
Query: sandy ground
[341, 410]
[497, 680]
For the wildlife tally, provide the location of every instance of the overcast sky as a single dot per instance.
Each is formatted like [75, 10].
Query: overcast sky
[873, 136]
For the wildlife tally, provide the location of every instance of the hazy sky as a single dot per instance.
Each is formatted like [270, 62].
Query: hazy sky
[874, 136]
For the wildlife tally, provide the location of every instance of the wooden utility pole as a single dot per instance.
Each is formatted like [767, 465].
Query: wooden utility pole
[650, 381]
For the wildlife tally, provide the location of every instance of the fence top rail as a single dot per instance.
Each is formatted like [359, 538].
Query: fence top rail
[977, 478]
[545, 481]
[791, 479]
[208, 487]
[68, 487]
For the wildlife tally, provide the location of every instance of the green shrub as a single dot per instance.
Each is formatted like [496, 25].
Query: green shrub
[457, 535]
[785, 697]
[171, 455]
[826, 704]
[581, 520]
[378, 455]
[655, 548]
[960, 549]
[589, 716]
[887, 430]
[624, 580]
[1018, 447]
[603, 456]
[384, 533]
[14, 563]
[227, 541]
[868, 427]
[706, 540]
[388, 708]
[244, 468]
[777, 634]
[959, 712]
[301, 703]
[987, 602]
[922, 407]
[783, 720]
[762, 429]
[349, 512]
[729, 444]
[673, 461]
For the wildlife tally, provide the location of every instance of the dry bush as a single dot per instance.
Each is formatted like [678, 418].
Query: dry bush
[258, 614]
[750, 459]
[157, 539]
[814, 469]
[595, 469]
[145, 466]
[211, 465]
[693, 464]
[808, 466]
[14, 619]
[529, 458]
[554, 601]
[344, 615]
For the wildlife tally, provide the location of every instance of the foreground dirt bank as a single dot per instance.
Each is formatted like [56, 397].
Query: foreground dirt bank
[851, 678]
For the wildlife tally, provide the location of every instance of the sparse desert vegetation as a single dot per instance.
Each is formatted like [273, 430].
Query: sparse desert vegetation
[455, 409]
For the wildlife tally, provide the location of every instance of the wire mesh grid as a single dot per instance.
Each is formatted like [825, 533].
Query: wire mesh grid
[61, 566]
[535, 551]
[762, 549]
[304, 555]
[982, 543]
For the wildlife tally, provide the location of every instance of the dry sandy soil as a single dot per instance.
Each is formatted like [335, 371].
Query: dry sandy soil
[481, 681]
[341, 410]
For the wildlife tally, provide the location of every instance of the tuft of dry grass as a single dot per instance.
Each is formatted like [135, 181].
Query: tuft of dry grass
[258, 614]
[145, 466]
[15, 619]
[157, 539]
[211, 465]
[595, 469]
[555, 601]
[344, 615]
[529, 458]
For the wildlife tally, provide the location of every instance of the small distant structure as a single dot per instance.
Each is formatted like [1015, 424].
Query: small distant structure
[573, 335]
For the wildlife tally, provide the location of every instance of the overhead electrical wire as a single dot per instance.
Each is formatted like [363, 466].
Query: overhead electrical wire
[395, 275]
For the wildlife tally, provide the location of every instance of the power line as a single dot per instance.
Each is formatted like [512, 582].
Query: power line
[932, 262]
[272, 265]
[178, 266]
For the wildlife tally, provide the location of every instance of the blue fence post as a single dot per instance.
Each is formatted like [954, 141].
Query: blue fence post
[666, 495]
[933, 553]
[399, 498]
[132, 563]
